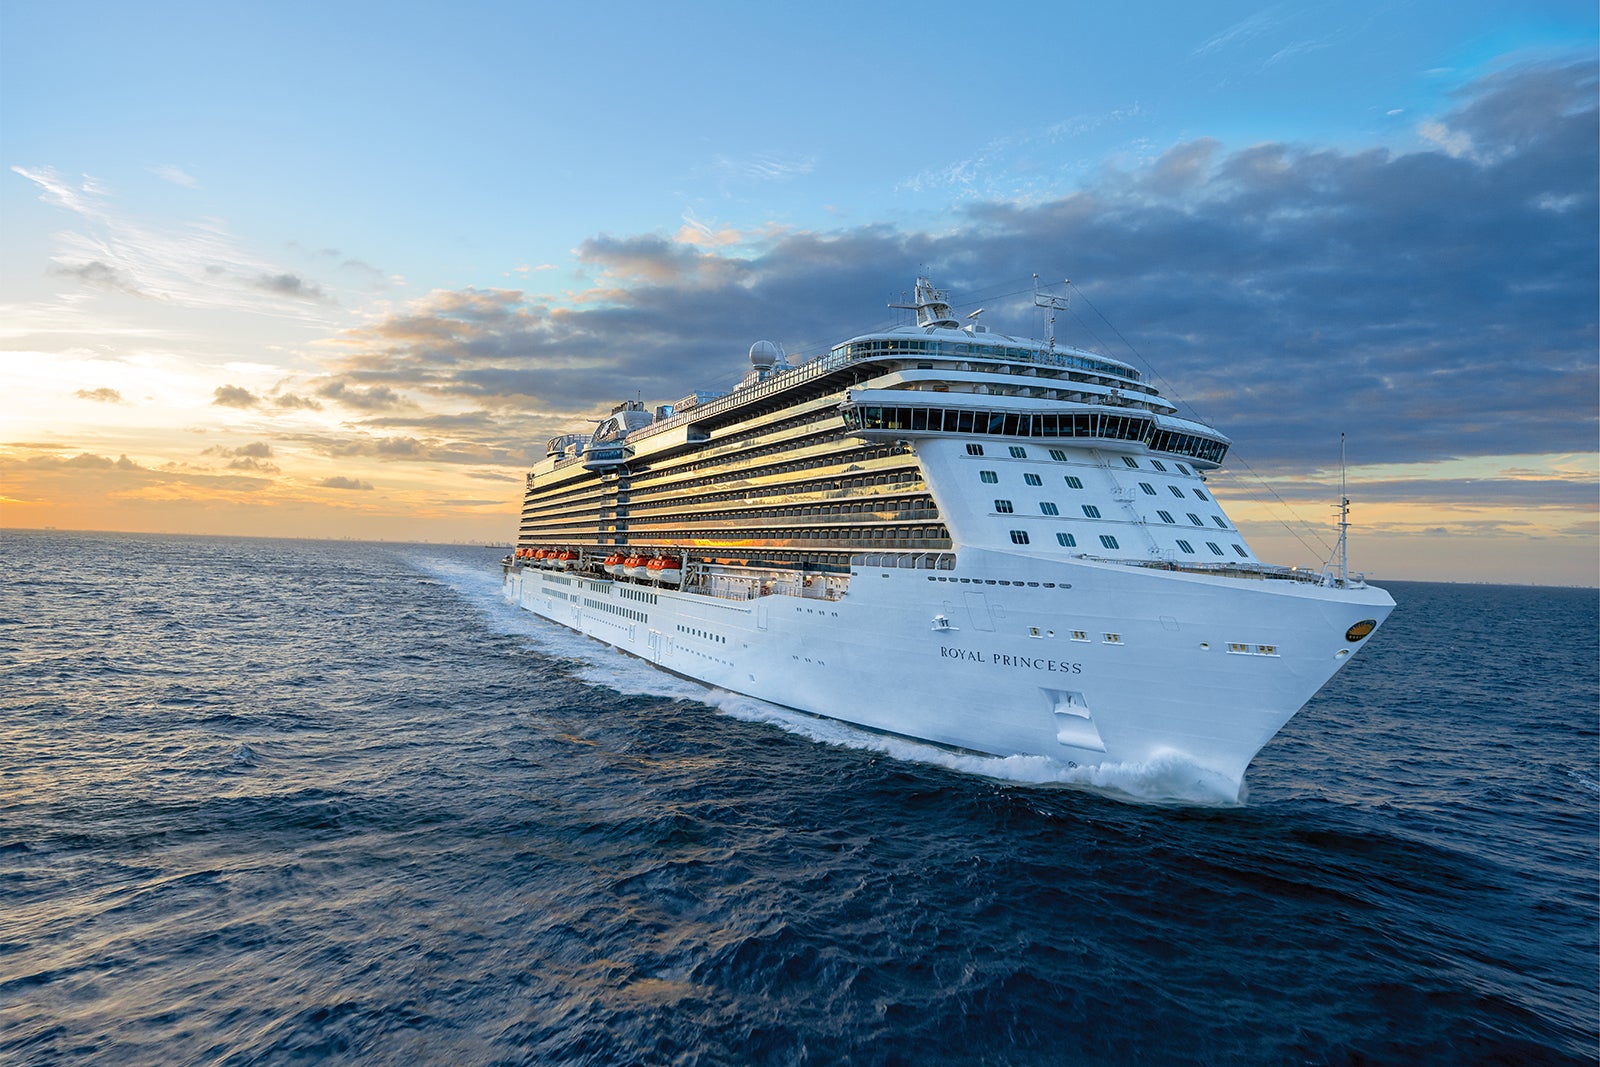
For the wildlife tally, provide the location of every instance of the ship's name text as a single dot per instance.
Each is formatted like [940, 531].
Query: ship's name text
[1007, 659]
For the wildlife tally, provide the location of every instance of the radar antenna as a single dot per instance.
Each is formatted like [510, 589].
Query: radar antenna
[1054, 303]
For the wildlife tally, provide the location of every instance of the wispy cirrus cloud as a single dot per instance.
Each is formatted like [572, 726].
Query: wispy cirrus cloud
[176, 175]
[197, 264]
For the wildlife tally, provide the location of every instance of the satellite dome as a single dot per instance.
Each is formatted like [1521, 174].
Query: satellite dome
[763, 354]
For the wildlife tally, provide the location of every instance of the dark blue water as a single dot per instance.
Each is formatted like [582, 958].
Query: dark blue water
[271, 802]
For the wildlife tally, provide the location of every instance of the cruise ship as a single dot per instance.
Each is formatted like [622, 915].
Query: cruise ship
[991, 543]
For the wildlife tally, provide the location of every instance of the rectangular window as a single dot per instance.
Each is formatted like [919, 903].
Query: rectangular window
[1166, 516]
[1074, 482]
[1079, 635]
[1187, 547]
[1195, 519]
[1149, 489]
[988, 476]
[1066, 540]
[1158, 465]
[1003, 507]
[1212, 545]
[1112, 639]
[1218, 520]
[1032, 479]
[1201, 493]
[1129, 460]
[1240, 549]
[1018, 452]
[1175, 490]
[1091, 511]
[974, 450]
[1019, 537]
[1048, 508]
[1058, 455]
[1108, 540]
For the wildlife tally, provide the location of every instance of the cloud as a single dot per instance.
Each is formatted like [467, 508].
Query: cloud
[1430, 304]
[102, 395]
[291, 285]
[234, 396]
[82, 461]
[373, 398]
[294, 402]
[194, 265]
[253, 450]
[254, 456]
[341, 482]
[766, 167]
[175, 175]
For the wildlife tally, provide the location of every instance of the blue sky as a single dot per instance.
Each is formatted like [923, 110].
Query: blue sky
[336, 268]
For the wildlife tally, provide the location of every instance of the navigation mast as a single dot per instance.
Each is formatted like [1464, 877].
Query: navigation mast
[1343, 508]
[1054, 303]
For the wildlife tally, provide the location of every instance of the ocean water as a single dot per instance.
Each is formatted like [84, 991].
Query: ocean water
[274, 802]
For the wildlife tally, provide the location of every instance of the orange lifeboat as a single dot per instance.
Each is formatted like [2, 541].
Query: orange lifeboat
[670, 571]
[566, 559]
[635, 566]
[652, 570]
[613, 564]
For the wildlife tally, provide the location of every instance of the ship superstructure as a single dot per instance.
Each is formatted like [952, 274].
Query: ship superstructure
[990, 542]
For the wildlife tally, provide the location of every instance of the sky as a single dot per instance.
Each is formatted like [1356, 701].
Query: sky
[339, 270]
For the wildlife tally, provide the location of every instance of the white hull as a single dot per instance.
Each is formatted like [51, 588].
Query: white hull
[1108, 665]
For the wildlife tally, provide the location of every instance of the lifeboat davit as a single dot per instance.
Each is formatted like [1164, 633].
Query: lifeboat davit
[613, 564]
[669, 571]
[635, 567]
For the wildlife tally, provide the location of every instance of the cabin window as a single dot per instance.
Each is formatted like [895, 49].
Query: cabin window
[1018, 452]
[1032, 479]
[1219, 521]
[1187, 547]
[1149, 489]
[1066, 540]
[1130, 461]
[1048, 508]
[1003, 507]
[1058, 455]
[1074, 482]
[1091, 511]
[1181, 468]
[1175, 490]
[1166, 516]
[1201, 493]
[973, 450]
[1158, 465]
[988, 476]
[1215, 550]
[1195, 519]
[1019, 537]
[1240, 549]
[1108, 540]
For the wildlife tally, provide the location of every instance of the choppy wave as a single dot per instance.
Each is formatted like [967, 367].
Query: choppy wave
[274, 802]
